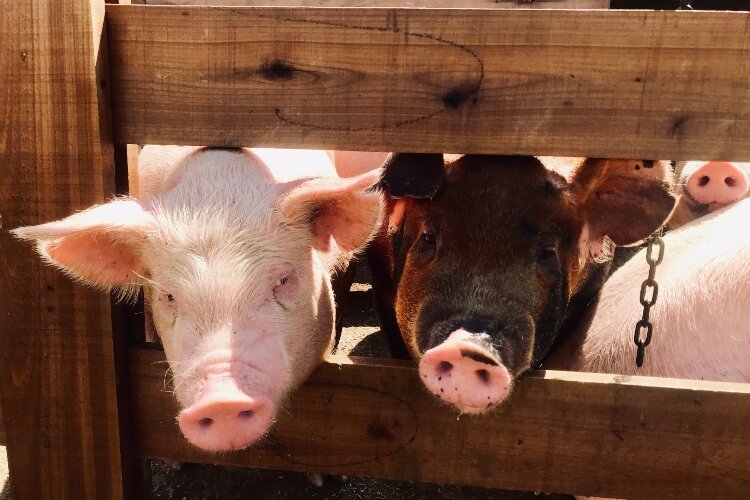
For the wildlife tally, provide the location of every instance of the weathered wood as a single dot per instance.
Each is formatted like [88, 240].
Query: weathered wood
[434, 4]
[676, 4]
[650, 84]
[58, 384]
[133, 150]
[2, 428]
[559, 432]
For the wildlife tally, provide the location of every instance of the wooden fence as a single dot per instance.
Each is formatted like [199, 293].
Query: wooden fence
[80, 81]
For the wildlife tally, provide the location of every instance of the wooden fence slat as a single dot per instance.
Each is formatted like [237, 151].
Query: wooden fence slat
[649, 84]
[434, 4]
[627, 437]
[57, 383]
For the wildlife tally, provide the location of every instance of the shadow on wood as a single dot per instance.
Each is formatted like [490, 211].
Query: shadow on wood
[559, 432]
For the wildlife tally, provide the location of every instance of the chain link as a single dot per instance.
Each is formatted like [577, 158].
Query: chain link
[648, 299]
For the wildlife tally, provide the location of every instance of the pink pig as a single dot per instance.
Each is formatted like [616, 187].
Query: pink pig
[701, 327]
[235, 250]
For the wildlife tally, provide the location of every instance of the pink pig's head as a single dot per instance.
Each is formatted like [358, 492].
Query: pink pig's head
[236, 270]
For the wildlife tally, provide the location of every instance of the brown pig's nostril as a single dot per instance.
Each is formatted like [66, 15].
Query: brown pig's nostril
[483, 375]
[245, 414]
[205, 422]
[730, 181]
[444, 367]
[704, 180]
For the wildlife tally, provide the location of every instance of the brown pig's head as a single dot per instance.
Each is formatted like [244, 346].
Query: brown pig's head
[486, 252]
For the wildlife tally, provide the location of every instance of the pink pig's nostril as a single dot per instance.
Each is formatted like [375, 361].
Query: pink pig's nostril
[730, 181]
[704, 180]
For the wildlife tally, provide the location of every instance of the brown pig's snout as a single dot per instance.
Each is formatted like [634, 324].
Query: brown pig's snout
[465, 371]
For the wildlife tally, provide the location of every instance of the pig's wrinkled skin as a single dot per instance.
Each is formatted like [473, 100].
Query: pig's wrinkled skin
[234, 249]
[701, 327]
[483, 257]
[706, 186]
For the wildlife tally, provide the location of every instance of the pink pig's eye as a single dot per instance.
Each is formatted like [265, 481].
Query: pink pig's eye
[285, 288]
[170, 297]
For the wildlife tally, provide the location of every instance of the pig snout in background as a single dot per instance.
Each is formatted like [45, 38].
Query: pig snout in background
[700, 319]
[482, 257]
[706, 186]
[235, 249]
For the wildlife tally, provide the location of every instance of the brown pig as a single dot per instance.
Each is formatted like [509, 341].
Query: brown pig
[482, 257]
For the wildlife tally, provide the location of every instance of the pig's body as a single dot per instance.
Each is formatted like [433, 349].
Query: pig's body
[484, 257]
[701, 317]
[235, 250]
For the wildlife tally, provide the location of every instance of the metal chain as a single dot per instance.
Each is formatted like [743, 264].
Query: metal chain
[649, 283]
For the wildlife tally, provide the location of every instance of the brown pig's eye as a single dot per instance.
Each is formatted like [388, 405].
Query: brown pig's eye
[428, 237]
[170, 297]
[547, 253]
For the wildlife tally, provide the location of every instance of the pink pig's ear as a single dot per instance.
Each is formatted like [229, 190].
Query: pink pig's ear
[100, 246]
[347, 210]
[626, 200]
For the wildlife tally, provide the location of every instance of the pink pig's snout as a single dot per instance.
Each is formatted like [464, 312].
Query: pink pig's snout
[717, 182]
[225, 416]
[463, 373]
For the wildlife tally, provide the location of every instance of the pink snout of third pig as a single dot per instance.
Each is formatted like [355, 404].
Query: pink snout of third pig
[708, 186]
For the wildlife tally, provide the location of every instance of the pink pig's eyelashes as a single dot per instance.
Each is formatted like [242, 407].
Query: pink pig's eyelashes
[285, 288]
[168, 297]
[282, 281]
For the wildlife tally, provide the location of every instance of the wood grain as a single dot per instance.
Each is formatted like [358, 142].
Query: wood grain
[649, 84]
[58, 384]
[627, 437]
[434, 4]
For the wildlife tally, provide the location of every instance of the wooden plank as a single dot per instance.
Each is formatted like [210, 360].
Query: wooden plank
[676, 4]
[434, 4]
[627, 437]
[651, 84]
[2, 429]
[58, 385]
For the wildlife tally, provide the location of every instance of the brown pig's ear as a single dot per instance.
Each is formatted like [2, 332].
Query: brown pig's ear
[626, 200]
[413, 175]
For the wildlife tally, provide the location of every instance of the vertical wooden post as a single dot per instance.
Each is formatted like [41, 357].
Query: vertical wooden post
[57, 360]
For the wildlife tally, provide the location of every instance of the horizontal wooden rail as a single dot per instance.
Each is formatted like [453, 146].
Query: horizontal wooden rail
[651, 84]
[559, 432]
[486, 4]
